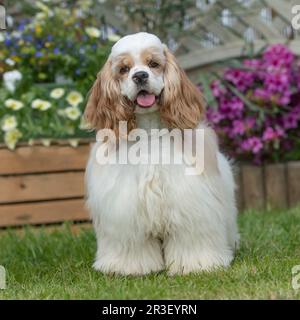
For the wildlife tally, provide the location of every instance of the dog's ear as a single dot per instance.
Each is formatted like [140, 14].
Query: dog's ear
[106, 106]
[182, 105]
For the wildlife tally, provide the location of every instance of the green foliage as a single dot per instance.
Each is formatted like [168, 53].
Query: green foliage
[59, 47]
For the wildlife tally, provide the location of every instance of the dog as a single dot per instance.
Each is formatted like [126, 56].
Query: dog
[153, 217]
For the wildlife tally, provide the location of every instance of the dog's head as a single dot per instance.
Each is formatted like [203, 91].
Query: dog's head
[141, 75]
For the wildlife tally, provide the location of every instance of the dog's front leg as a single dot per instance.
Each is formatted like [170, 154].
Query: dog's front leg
[126, 252]
[197, 249]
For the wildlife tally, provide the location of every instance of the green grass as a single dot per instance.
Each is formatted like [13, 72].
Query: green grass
[57, 265]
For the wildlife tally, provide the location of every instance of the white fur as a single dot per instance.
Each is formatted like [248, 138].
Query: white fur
[153, 217]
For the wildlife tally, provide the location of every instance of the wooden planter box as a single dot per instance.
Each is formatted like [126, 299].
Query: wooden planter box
[43, 185]
[40, 185]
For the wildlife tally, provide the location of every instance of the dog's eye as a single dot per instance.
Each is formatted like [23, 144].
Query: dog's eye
[124, 70]
[153, 64]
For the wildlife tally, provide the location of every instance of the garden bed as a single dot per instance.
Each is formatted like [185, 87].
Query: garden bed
[44, 185]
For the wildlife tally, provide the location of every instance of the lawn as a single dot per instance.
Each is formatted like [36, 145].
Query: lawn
[43, 264]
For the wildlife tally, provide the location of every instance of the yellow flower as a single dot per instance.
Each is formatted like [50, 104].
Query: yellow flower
[41, 105]
[74, 98]
[13, 104]
[9, 123]
[38, 29]
[57, 93]
[12, 137]
[93, 32]
[72, 113]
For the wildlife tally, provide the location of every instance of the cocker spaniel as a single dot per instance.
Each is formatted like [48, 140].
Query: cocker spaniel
[151, 216]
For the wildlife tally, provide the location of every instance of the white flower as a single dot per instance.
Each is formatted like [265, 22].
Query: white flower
[46, 142]
[40, 104]
[44, 8]
[13, 104]
[10, 62]
[114, 37]
[31, 142]
[2, 38]
[72, 113]
[83, 124]
[74, 142]
[93, 32]
[11, 138]
[16, 34]
[9, 123]
[10, 78]
[40, 16]
[74, 98]
[57, 93]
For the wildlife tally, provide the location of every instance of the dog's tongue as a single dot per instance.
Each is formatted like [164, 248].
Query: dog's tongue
[145, 99]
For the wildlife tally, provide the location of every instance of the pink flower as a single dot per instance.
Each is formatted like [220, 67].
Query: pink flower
[272, 134]
[253, 144]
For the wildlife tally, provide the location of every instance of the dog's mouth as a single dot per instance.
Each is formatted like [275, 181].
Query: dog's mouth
[145, 99]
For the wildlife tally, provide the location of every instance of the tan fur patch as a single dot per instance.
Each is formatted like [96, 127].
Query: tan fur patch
[152, 54]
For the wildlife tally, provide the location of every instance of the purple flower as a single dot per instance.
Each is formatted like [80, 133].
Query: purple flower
[253, 144]
[238, 127]
[272, 134]
[272, 83]
[278, 56]
[241, 79]
[217, 89]
[290, 120]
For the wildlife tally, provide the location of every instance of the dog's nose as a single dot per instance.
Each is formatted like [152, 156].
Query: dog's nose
[140, 77]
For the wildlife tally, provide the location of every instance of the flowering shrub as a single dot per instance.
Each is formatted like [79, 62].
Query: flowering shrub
[258, 107]
[47, 65]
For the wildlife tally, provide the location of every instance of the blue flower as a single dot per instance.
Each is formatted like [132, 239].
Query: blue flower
[7, 42]
[38, 54]
[56, 51]
[28, 37]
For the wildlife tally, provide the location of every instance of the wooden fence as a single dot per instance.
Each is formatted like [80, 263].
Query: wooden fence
[40, 185]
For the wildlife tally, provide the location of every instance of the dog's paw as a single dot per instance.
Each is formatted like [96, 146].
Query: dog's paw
[199, 264]
[128, 267]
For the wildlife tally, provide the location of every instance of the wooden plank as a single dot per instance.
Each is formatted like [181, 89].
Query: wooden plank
[76, 228]
[253, 187]
[41, 187]
[43, 159]
[294, 183]
[42, 212]
[276, 188]
[239, 188]
[204, 57]
[283, 8]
